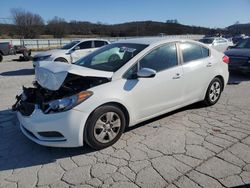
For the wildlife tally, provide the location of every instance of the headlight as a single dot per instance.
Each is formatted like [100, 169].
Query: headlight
[42, 58]
[67, 103]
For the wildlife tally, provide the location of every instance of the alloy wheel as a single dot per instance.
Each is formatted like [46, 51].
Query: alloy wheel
[107, 127]
[214, 92]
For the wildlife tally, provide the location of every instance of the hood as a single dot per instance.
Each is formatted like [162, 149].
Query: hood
[51, 75]
[238, 52]
[50, 52]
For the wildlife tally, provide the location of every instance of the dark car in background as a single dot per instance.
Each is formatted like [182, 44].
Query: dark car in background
[6, 48]
[239, 56]
[238, 38]
[20, 49]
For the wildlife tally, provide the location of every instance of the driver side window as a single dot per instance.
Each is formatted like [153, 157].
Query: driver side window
[160, 58]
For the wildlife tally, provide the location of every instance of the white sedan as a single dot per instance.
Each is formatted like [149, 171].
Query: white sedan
[218, 43]
[119, 85]
[71, 52]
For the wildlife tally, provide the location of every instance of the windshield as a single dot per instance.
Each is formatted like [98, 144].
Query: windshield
[69, 45]
[206, 41]
[244, 43]
[111, 57]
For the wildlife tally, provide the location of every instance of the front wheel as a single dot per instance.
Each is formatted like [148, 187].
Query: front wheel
[104, 127]
[213, 92]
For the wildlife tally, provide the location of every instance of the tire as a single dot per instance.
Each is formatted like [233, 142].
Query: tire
[114, 57]
[1, 58]
[104, 123]
[213, 92]
[61, 59]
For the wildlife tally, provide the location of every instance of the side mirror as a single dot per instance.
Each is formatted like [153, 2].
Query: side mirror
[72, 50]
[77, 48]
[146, 73]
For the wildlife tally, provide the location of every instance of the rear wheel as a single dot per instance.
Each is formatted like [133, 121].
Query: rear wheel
[1, 57]
[213, 92]
[61, 59]
[104, 127]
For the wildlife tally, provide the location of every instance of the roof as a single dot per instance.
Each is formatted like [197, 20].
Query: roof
[149, 40]
[213, 38]
[88, 39]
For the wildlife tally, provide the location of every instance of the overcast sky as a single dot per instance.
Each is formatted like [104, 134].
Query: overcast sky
[208, 13]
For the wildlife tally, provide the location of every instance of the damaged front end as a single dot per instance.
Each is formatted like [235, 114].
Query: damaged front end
[53, 94]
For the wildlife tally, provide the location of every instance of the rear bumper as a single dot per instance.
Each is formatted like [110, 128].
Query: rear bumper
[241, 68]
[69, 124]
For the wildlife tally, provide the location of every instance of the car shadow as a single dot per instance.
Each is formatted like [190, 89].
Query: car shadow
[20, 72]
[236, 78]
[242, 186]
[17, 151]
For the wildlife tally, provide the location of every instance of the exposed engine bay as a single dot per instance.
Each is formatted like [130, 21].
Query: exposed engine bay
[40, 97]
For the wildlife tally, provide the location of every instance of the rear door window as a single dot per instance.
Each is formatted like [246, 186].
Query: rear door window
[205, 52]
[99, 43]
[161, 58]
[192, 52]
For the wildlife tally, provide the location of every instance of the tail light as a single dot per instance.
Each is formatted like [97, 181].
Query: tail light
[225, 59]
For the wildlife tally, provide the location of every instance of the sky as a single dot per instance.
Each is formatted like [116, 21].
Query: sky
[207, 13]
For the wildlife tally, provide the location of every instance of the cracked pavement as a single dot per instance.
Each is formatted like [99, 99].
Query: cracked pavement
[195, 146]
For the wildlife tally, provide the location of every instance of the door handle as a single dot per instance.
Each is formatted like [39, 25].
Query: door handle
[177, 76]
[209, 64]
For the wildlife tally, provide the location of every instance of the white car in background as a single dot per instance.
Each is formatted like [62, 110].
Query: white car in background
[94, 99]
[218, 43]
[71, 52]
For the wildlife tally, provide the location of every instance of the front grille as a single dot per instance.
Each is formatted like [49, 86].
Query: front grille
[26, 108]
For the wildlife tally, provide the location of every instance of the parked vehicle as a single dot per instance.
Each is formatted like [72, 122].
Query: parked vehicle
[20, 49]
[238, 38]
[218, 43]
[6, 48]
[71, 52]
[240, 56]
[94, 99]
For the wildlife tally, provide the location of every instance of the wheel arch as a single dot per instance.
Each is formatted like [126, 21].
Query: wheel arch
[119, 105]
[222, 80]
[66, 60]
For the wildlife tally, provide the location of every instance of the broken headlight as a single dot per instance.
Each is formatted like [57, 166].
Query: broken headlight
[67, 103]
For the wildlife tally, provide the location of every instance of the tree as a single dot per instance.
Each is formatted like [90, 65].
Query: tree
[57, 27]
[29, 25]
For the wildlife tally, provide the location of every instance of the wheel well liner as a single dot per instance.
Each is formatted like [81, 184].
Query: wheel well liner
[222, 80]
[61, 58]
